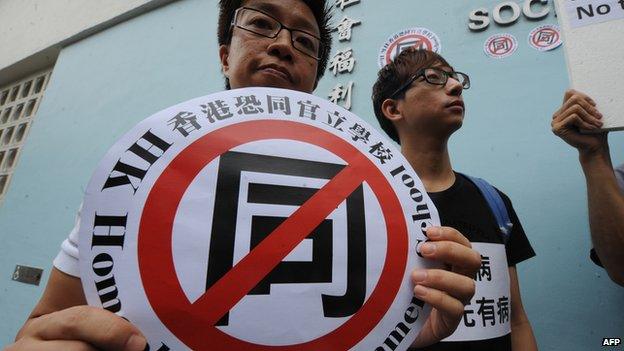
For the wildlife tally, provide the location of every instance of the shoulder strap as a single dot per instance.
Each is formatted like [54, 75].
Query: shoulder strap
[495, 201]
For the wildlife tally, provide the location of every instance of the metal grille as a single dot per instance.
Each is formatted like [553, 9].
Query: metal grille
[19, 102]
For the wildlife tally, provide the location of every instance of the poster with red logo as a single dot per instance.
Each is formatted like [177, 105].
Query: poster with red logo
[499, 46]
[545, 37]
[418, 37]
[257, 219]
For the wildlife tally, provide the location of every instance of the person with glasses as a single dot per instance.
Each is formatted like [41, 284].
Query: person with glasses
[262, 43]
[258, 47]
[605, 184]
[418, 101]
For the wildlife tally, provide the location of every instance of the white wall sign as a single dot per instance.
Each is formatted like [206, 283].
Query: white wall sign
[257, 219]
[585, 12]
[594, 53]
[479, 19]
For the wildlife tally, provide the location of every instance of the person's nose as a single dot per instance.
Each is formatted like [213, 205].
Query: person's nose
[281, 46]
[454, 87]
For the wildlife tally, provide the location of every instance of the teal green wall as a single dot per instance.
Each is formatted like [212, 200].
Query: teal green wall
[103, 85]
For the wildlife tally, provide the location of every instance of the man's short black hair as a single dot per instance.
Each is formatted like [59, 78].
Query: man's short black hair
[392, 76]
[322, 14]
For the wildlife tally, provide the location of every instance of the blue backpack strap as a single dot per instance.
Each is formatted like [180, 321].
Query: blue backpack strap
[495, 201]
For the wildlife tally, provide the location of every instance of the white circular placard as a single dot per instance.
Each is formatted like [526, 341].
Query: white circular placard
[256, 219]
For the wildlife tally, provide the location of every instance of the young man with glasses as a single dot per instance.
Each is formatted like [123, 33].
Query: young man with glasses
[418, 102]
[267, 43]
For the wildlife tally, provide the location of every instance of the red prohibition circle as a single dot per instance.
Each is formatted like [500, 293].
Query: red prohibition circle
[494, 51]
[535, 38]
[419, 37]
[193, 323]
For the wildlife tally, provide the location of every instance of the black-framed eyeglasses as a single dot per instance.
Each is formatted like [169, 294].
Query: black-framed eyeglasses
[435, 76]
[265, 25]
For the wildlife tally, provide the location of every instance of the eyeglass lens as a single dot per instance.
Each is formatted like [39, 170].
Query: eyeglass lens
[438, 76]
[267, 26]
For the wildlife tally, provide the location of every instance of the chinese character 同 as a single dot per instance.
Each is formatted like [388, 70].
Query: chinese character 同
[278, 103]
[342, 62]
[501, 46]
[546, 37]
[184, 122]
[318, 268]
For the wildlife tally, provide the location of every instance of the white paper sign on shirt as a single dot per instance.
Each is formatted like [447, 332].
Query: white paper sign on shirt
[257, 219]
[487, 316]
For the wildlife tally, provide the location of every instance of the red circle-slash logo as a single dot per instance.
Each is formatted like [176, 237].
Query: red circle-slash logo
[500, 45]
[421, 38]
[545, 38]
[194, 323]
[256, 219]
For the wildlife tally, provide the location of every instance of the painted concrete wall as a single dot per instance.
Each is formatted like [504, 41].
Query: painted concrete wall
[106, 83]
[31, 27]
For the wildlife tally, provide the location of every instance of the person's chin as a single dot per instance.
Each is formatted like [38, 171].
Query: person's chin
[277, 84]
[454, 122]
[456, 115]
[275, 81]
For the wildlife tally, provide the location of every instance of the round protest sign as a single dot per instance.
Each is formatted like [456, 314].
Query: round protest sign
[421, 38]
[257, 219]
[499, 46]
[545, 37]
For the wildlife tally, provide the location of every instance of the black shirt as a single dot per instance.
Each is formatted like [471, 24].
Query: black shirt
[464, 208]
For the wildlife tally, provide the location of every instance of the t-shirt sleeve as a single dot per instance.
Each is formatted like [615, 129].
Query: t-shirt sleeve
[67, 259]
[518, 248]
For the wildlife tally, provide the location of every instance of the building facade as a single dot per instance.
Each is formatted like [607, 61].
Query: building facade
[106, 67]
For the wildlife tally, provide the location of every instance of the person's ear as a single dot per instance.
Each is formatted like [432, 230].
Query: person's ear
[224, 53]
[391, 109]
